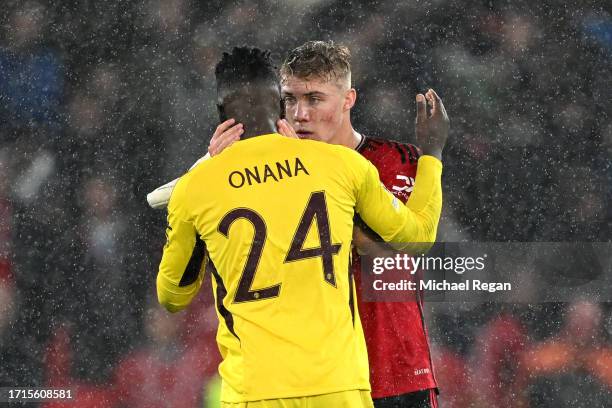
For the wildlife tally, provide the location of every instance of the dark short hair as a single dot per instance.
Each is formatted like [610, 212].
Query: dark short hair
[245, 65]
[318, 59]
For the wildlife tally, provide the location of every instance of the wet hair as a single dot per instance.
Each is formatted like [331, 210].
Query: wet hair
[244, 66]
[323, 60]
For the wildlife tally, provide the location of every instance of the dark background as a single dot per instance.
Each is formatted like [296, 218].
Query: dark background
[100, 102]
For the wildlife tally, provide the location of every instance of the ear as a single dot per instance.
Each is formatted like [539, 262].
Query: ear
[283, 111]
[221, 111]
[350, 97]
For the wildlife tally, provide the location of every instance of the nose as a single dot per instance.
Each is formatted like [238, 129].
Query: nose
[301, 113]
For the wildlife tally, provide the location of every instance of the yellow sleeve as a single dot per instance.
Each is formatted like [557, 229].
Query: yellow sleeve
[404, 225]
[181, 270]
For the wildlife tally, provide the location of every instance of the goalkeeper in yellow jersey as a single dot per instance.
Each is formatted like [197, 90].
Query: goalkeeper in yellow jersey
[275, 217]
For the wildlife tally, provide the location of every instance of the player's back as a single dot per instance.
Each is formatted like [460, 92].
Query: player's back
[276, 215]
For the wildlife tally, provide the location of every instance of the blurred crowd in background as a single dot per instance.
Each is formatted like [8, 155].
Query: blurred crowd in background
[101, 102]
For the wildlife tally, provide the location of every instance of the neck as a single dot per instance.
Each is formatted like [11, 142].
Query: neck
[347, 136]
[256, 128]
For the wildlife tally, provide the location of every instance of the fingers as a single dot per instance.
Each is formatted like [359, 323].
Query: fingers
[225, 141]
[224, 126]
[421, 109]
[225, 135]
[431, 101]
[285, 129]
[436, 103]
[434, 95]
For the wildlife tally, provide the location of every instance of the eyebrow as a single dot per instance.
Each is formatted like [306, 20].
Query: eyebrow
[314, 93]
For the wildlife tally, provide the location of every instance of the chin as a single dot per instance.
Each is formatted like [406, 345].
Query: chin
[314, 136]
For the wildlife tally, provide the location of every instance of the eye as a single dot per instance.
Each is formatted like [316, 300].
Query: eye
[289, 99]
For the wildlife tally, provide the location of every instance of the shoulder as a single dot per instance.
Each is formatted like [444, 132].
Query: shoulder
[379, 150]
[336, 160]
[333, 151]
[179, 198]
[396, 163]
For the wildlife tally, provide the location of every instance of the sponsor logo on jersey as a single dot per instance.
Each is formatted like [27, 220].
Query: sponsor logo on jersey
[405, 184]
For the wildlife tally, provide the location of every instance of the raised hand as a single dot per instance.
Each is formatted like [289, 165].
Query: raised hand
[225, 135]
[285, 129]
[431, 130]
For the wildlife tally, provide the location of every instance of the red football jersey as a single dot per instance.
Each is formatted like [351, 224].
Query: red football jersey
[395, 333]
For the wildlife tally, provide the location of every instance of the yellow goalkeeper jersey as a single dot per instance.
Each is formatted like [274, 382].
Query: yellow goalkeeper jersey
[275, 217]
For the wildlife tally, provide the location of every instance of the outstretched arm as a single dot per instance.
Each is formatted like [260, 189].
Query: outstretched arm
[414, 225]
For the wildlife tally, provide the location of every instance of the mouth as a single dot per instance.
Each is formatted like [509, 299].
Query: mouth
[303, 134]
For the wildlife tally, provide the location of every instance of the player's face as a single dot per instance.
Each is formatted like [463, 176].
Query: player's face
[314, 107]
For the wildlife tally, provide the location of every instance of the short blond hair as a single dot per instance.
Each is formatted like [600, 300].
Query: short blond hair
[323, 60]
